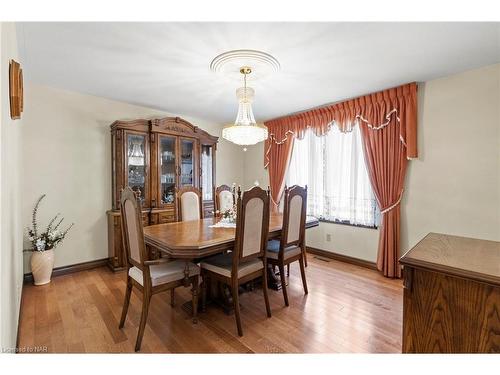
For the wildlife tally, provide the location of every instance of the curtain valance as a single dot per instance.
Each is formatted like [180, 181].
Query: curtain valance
[374, 110]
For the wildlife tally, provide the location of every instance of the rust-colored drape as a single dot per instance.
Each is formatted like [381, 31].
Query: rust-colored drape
[388, 121]
[386, 152]
[280, 155]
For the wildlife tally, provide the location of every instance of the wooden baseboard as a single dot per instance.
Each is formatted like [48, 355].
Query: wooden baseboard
[58, 271]
[341, 258]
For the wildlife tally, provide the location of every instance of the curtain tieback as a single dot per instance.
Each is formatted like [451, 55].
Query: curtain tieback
[272, 200]
[387, 209]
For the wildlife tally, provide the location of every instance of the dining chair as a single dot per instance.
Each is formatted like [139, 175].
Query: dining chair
[291, 246]
[224, 198]
[247, 261]
[149, 276]
[190, 206]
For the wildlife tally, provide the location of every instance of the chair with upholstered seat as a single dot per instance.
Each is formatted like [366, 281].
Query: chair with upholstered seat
[154, 276]
[224, 198]
[190, 204]
[291, 246]
[247, 261]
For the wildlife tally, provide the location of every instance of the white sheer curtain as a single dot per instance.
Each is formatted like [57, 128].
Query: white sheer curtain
[334, 171]
[206, 176]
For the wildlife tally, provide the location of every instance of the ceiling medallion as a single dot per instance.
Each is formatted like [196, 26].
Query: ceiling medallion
[230, 62]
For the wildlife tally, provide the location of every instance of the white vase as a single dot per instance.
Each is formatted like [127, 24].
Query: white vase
[42, 263]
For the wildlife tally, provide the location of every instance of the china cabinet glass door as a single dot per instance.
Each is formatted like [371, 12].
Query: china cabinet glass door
[187, 173]
[207, 172]
[167, 169]
[136, 164]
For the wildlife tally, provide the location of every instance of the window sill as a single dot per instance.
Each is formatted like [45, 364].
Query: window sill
[348, 224]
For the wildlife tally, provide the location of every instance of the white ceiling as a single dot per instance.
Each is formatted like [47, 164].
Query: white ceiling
[166, 65]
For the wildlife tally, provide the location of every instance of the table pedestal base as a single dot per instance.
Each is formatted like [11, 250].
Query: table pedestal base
[220, 294]
[220, 297]
[273, 279]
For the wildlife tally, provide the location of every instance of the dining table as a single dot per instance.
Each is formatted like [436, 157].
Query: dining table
[194, 240]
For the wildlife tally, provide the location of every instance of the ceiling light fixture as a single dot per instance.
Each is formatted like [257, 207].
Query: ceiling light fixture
[231, 64]
[245, 130]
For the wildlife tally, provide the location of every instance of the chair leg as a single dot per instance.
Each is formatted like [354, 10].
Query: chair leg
[283, 283]
[288, 269]
[172, 297]
[264, 288]
[126, 302]
[194, 291]
[204, 287]
[303, 274]
[236, 302]
[146, 298]
[304, 255]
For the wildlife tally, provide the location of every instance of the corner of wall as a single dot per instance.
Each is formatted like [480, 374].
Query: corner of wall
[11, 233]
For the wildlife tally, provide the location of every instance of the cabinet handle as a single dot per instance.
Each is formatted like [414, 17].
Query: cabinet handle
[153, 202]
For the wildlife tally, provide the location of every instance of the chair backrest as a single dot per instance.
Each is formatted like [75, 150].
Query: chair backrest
[224, 198]
[132, 231]
[252, 225]
[294, 217]
[190, 206]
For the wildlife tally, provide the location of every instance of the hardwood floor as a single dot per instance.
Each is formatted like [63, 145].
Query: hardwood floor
[348, 309]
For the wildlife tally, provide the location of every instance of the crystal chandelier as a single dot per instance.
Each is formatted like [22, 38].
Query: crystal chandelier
[245, 130]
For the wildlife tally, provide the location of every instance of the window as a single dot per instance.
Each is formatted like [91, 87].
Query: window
[207, 175]
[333, 168]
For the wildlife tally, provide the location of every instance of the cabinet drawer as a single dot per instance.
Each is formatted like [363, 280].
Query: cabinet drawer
[163, 217]
[166, 217]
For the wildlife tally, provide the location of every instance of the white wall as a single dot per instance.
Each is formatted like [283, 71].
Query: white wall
[453, 187]
[11, 233]
[67, 155]
[254, 166]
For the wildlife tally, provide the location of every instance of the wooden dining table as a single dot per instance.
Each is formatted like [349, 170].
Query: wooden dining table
[198, 239]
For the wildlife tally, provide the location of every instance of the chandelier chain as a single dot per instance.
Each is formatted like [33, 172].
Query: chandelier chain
[245, 84]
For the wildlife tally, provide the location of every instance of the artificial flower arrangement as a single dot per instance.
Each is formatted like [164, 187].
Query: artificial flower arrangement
[229, 215]
[43, 244]
[51, 237]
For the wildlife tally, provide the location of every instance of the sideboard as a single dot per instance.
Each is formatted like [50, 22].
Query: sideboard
[451, 301]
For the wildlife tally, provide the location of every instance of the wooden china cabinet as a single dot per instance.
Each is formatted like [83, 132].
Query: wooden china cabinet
[156, 158]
